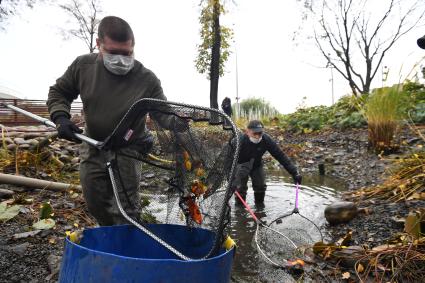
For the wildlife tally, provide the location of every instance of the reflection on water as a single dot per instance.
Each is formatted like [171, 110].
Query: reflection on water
[315, 193]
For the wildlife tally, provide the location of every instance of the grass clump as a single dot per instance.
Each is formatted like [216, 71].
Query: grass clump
[385, 109]
[405, 183]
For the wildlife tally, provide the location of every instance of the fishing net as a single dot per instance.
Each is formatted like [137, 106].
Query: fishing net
[178, 174]
[287, 240]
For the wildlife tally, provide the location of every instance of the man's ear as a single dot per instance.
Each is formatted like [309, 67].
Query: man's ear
[98, 43]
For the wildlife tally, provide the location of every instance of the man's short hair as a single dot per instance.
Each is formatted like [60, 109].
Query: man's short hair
[116, 29]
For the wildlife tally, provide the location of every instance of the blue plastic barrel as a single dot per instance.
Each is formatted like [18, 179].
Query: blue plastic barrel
[126, 254]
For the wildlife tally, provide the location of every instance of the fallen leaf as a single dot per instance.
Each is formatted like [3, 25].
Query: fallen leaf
[25, 234]
[325, 250]
[382, 248]
[7, 213]
[414, 196]
[319, 247]
[359, 268]
[344, 241]
[412, 225]
[44, 224]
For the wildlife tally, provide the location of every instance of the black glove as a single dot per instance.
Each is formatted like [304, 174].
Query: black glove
[181, 125]
[143, 144]
[66, 129]
[297, 179]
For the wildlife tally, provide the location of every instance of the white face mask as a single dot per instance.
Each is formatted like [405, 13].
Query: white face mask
[118, 64]
[255, 140]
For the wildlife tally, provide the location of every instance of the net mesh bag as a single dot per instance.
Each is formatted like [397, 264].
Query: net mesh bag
[288, 237]
[191, 153]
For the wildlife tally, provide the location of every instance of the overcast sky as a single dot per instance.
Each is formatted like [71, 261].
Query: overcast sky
[270, 65]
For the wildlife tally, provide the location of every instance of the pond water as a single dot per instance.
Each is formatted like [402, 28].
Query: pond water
[315, 193]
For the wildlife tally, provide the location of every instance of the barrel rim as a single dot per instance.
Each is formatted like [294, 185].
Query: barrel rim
[75, 245]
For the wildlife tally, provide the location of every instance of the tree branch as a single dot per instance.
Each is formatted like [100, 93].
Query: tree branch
[86, 19]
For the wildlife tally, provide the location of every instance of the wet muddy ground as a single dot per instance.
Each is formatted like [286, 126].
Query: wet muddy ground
[345, 155]
[36, 258]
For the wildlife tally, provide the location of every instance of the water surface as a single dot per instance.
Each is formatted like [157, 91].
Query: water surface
[315, 193]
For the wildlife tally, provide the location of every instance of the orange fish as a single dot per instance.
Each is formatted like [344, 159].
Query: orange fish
[198, 188]
[199, 172]
[186, 155]
[194, 211]
[292, 263]
[188, 165]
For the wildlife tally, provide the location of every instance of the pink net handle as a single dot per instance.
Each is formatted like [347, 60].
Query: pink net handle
[247, 206]
[297, 191]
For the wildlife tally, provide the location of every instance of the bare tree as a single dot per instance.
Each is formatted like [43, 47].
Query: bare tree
[11, 7]
[87, 17]
[355, 40]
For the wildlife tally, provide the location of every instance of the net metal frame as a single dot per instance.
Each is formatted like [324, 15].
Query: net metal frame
[296, 211]
[213, 117]
[297, 236]
[268, 239]
[260, 226]
[115, 140]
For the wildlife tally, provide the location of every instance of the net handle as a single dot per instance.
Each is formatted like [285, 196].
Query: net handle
[297, 190]
[247, 207]
[129, 219]
[259, 222]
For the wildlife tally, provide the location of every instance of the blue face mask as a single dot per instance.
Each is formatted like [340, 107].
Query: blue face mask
[118, 64]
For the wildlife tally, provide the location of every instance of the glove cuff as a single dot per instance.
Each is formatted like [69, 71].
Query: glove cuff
[59, 115]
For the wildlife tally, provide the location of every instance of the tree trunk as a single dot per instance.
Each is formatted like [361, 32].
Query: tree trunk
[215, 57]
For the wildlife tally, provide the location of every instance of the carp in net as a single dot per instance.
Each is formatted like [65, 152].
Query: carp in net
[176, 172]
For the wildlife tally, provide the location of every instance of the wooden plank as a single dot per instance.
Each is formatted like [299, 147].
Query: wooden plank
[9, 117]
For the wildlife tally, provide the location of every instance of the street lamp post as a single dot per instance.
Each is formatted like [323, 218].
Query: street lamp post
[329, 65]
[237, 87]
[332, 85]
[384, 76]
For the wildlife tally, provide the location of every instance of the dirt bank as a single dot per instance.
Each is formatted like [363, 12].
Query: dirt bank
[344, 154]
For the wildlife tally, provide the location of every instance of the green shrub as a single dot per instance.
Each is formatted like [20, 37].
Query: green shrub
[415, 93]
[417, 114]
[353, 120]
[343, 114]
[347, 112]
